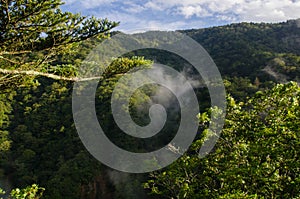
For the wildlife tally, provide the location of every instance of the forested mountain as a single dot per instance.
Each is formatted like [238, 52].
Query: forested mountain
[245, 49]
[246, 53]
[40, 55]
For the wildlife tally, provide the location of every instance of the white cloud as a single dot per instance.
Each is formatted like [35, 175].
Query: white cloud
[134, 24]
[182, 14]
[131, 23]
[246, 10]
[269, 11]
[189, 11]
[155, 6]
[132, 7]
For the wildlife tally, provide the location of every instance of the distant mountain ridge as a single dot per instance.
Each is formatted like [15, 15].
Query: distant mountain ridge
[245, 49]
[286, 34]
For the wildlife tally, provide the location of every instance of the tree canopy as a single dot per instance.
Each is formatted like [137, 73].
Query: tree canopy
[255, 157]
[35, 32]
[41, 48]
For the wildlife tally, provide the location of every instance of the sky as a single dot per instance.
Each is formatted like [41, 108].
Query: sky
[142, 15]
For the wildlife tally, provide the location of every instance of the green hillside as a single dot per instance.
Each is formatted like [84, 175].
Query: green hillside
[244, 49]
[257, 155]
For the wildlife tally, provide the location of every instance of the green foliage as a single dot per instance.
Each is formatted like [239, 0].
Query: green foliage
[2, 192]
[286, 65]
[5, 110]
[45, 146]
[4, 142]
[38, 36]
[39, 143]
[242, 52]
[30, 192]
[255, 157]
[123, 65]
[33, 33]
[244, 49]
[240, 88]
[238, 195]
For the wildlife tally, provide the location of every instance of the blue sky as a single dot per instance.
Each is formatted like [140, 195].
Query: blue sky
[136, 16]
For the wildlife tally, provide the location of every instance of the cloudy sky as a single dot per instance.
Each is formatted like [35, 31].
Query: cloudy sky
[140, 15]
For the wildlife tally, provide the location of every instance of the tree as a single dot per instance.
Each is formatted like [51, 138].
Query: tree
[34, 32]
[257, 155]
[5, 109]
[34, 36]
[30, 192]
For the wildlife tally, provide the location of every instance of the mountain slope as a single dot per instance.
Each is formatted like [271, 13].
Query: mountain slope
[244, 49]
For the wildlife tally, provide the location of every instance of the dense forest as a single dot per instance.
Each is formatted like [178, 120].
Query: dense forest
[41, 155]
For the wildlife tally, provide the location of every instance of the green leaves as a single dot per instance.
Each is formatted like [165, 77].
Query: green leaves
[45, 146]
[5, 110]
[2, 192]
[30, 192]
[34, 33]
[255, 157]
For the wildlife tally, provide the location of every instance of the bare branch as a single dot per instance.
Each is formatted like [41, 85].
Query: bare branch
[14, 53]
[52, 76]
[9, 60]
